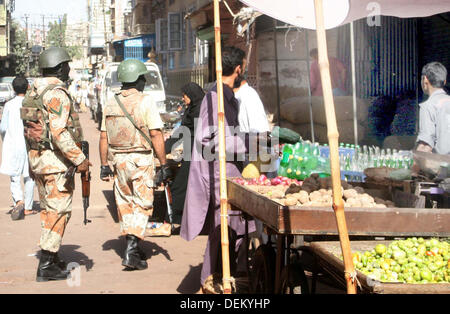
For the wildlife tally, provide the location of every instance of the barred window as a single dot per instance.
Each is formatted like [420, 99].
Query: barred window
[175, 31]
[162, 41]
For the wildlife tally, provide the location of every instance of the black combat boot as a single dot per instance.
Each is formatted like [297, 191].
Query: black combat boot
[48, 269]
[134, 257]
[61, 263]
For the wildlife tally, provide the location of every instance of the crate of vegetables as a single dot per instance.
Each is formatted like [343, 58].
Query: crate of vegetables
[289, 206]
[412, 265]
[312, 192]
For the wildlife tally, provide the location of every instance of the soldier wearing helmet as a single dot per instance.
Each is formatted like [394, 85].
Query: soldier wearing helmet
[130, 134]
[52, 129]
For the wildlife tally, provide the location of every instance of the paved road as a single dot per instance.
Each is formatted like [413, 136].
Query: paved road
[174, 264]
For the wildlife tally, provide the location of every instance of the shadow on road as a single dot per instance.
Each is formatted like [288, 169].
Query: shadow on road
[69, 254]
[159, 206]
[150, 249]
[191, 283]
[112, 208]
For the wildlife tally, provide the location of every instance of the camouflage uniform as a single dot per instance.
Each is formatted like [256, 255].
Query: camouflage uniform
[50, 165]
[132, 158]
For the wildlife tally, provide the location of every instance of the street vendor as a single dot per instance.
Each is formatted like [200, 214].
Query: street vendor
[202, 204]
[434, 128]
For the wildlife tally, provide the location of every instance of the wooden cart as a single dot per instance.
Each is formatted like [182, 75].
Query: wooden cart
[287, 221]
[327, 257]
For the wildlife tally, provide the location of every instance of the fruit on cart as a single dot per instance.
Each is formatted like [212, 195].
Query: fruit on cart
[276, 194]
[263, 180]
[413, 260]
[380, 249]
[350, 193]
[313, 191]
[290, 201]
[251, 171]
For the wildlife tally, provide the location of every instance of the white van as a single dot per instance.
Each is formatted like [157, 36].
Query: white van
[153, 87]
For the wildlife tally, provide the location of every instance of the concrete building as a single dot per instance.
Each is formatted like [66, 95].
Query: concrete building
[139, 38]
[182, 55]
[99, 20]
[120, 9]
[6, 8]
[77, 34]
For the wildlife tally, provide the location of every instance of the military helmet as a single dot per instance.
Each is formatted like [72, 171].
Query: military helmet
[52, 57]
[130, 70]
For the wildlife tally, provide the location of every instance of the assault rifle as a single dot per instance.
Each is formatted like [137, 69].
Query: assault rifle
[85, 179]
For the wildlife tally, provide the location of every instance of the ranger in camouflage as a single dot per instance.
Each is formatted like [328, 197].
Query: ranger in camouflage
[52, 129]
[130, 133]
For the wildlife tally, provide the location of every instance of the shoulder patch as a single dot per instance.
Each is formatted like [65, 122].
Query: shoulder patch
[55, 106]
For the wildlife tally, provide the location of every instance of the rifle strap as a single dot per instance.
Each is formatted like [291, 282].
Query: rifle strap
[122, 106]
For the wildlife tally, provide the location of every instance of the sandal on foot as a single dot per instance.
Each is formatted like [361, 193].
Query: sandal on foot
[17, 212]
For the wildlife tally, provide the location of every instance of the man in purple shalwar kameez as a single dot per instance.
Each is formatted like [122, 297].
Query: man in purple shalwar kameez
[202, 204]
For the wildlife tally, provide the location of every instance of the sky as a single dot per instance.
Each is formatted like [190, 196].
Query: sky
[76, 10]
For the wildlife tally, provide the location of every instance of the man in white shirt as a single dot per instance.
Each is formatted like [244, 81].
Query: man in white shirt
[252, 119]
[252, 116]
[14, 152]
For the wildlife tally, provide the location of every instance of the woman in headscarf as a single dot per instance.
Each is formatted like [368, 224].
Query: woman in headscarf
[192, 96]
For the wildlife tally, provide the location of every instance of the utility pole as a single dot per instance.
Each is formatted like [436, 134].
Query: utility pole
[26, 16]
[105, 31]
[43, 31]
[61, 37]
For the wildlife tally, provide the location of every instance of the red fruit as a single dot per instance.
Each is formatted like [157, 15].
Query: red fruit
[276, 181]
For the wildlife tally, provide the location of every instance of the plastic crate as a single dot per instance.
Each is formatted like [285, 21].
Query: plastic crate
[353, 176]
[325, 151]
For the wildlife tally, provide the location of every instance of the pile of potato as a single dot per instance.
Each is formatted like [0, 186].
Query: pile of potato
[317, 192]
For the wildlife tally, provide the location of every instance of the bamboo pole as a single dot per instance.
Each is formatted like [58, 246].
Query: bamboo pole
[355, 108]
[222, 173]
[333, 137]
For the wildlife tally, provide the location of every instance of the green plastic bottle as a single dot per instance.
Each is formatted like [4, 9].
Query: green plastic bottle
[304, 174]
[347, 163]
[284, 162]
[306, 148]
[316, 150]
[287, 150]
[282, 171]
[291, 168]
[298, 164]
[298, 147]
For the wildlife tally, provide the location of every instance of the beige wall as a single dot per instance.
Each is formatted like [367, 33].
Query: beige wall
[3, 28]
[293, 55]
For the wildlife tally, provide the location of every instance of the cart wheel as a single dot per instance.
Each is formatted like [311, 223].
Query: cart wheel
[293, 280]
[263, 270]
